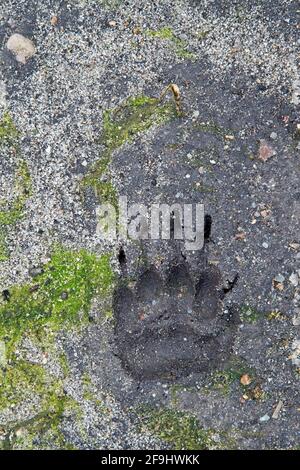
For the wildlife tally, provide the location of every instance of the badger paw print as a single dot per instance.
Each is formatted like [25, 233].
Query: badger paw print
[169, 328]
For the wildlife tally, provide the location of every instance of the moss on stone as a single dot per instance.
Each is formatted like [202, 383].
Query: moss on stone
[250, 314]
[21, 380]
[181, 431]
[17, 380]
[61, 295]
[136, 115]
[179, 45]
[64, 364]
[105, 191]
[87, 386]
[223, 380]
[4, 254]
[226, 379]
[201, 35]
[11, 212]
[177, 389]
[8, 131]
[121, 125]
[43, 429]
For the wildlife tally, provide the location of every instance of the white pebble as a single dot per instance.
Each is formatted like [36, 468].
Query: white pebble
[294, 280]
[264, 418]
[22, 47]
[273, 135]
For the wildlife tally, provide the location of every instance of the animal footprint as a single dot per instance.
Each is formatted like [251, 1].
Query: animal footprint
[172, 328]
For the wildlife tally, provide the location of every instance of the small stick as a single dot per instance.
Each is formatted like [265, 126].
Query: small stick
[275, 415]
[176, 94]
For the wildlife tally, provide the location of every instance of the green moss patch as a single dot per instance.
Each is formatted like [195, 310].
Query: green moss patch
[223, 380]
[201, 35]
[228, 379]
[42, 430]
[61, 295]
[57, 298]
[179, 46]
[15, 380]
[136, 115]
[8, 131]
[180, 430]
[4, 254]
[249, 314]
[120, 126]
[12, 211]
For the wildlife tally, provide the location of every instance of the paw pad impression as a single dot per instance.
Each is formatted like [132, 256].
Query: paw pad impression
[170, 329]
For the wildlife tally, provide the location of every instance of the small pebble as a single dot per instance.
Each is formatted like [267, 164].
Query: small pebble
[54, 20]
[22, 47]
[34, 272]
[279, 278]
[264, 418]
[266, 151]
[273, 136]
[294, 280]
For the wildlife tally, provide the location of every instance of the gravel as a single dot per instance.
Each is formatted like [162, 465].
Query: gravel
[62, 65]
